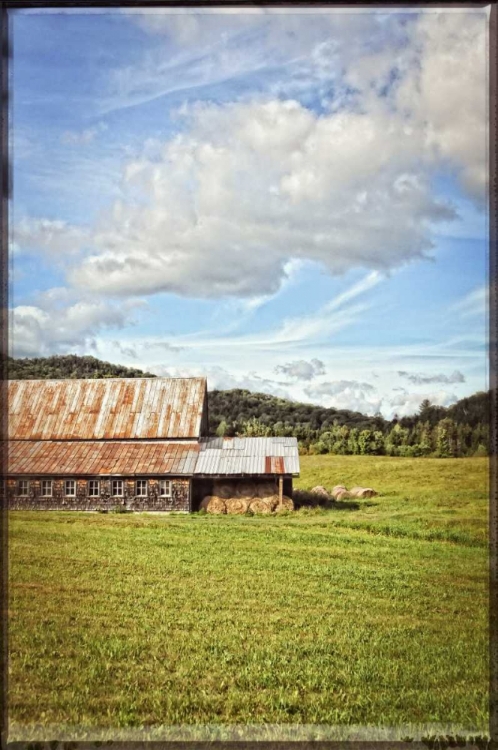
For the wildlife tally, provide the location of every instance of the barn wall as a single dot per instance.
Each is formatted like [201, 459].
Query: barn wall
[180, 500]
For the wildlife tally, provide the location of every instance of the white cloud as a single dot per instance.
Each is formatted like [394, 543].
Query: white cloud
[249, 187]
[474, 303]
[446, 94]
[346, 394]
[406, 404]
[53, 237]
[221, 379]
[301, 369]
[430, 66]
[420, 379]
[57, 326]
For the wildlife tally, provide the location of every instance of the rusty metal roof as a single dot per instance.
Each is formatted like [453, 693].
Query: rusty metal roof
[254, 456]
[45, 457]
[109, 408]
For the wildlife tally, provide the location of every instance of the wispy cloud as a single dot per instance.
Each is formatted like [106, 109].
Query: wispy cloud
[420, 379]
[474, 303]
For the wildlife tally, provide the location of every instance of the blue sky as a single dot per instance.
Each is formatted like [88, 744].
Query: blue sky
[293, 203]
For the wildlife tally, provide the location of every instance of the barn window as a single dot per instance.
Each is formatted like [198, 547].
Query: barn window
[23, 487]
[165, 488]
[46, 488]
[141, 487]
[117, 487]
[93, 488]
[70, 488]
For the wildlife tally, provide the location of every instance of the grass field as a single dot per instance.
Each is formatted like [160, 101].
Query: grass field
[368, 615]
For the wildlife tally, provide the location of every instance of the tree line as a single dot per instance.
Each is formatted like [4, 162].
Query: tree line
[456, 431]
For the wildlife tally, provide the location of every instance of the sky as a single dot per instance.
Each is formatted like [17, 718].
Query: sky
[289, 202]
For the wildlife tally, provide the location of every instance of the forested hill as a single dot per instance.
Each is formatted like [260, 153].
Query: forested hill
[232, 409]
[68, 366]
[459, 430]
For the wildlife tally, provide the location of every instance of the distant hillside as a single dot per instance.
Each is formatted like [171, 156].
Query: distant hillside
[237, 406]
[69, 366]
[459, 430]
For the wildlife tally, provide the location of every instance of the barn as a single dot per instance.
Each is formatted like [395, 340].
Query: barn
[137, 443]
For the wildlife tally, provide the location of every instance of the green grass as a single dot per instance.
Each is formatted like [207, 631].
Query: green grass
[367, 616]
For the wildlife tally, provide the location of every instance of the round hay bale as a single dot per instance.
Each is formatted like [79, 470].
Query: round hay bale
[344, 495]
[287, 504]
[271, 501]
[265, 489]
[354, 491]
[319, 490]
[246, 489]
[259, 507]
[338, 488]
[223, 490]
[216, 505]
[237, 505]
[367, 492]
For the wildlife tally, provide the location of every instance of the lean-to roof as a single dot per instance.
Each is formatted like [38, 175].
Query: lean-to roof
[93, 457]
[248, 456]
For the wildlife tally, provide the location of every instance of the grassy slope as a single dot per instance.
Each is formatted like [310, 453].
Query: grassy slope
[422, 498]
[125, 620]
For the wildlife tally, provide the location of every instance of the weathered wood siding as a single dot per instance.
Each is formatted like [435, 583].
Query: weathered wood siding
[179, 500]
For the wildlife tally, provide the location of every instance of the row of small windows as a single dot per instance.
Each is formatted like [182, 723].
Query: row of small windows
[93, 486]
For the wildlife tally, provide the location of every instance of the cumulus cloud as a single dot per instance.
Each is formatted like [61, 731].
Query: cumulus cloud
[53, 237]
[346, 394]
[406, 403]
[221, 379]
[301, 369]
[420, 379]
[58, 327]
[249, 186]
[245, 187]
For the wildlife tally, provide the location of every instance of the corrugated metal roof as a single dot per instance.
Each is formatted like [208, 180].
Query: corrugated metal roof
[109, 408]
[45, 457]
[257, 456]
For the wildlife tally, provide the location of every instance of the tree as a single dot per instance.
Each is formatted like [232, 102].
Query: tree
[221, 430]
[424, 409]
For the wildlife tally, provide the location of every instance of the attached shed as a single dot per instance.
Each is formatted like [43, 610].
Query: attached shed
[137, 442]
[235, 460]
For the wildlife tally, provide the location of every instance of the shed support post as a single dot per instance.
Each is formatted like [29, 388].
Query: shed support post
[280, 490]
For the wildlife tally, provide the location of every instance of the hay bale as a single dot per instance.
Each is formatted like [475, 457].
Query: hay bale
[321, 491]
[344, 495]
[223, 489]
[286, 504]
[259, 507]
[363, 492]
[338, 488]
[237, 505]
[265, 489]
[216, 505]
[355, 490]
[367, 492]
[271, 501]
[246, 489]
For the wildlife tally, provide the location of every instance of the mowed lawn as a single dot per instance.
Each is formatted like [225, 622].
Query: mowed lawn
[373, 614]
